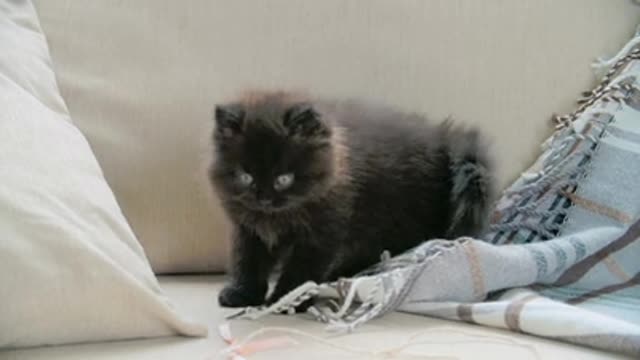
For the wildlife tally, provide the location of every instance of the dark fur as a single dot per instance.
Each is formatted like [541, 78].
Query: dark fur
[367, 179]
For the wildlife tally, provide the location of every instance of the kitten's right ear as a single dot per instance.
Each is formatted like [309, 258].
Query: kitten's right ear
[229, 119]
[304, 120]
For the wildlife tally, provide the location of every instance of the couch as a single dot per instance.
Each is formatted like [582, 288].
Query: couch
[140, 80]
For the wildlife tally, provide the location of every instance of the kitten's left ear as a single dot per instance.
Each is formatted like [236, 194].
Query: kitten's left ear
[304, 120]
[229, 120]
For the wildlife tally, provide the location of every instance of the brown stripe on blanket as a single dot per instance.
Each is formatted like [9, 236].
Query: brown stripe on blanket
[599, 208]
[513, 311]
[615, 268]
[465, 312]
[577, 271]
[606, 290]
[477, 277]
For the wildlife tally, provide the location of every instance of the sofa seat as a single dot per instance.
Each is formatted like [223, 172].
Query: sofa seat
[196, 296]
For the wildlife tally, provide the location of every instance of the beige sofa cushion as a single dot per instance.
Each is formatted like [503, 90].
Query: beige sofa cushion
[141, 79]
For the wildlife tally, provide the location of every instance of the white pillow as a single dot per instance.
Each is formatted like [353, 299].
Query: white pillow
[71, 269]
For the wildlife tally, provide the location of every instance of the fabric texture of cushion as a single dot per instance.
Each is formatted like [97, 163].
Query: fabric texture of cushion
[71, 269]
[141, 79]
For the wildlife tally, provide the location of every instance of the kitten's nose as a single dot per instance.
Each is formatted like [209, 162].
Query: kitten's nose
[265, 202]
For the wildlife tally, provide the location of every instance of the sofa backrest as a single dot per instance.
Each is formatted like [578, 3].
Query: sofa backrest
[141, 78]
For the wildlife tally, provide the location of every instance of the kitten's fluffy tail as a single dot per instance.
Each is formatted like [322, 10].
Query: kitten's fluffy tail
[473, 184]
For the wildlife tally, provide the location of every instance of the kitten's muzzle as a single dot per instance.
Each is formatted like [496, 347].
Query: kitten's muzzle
[265, 202]
[264, 199]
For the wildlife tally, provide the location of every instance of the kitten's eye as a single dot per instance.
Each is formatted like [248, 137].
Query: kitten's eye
[245, 179]
[283, 181]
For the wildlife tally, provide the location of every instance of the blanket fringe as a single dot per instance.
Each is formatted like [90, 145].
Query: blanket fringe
[370, 294]
[601, 66]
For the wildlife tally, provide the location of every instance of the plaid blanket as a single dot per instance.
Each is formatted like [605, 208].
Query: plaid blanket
[562, 259]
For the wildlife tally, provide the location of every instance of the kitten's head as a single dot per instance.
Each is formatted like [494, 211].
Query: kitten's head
[272, 152]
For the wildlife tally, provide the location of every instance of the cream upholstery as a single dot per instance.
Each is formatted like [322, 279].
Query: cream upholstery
[141, 77]
[444, 340]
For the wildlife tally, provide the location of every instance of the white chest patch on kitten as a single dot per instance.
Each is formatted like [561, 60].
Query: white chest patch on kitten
[266, 232]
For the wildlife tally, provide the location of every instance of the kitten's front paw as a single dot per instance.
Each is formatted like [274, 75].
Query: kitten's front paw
[239, 296]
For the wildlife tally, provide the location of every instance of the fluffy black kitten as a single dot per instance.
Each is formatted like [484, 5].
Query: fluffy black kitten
[324, 187]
